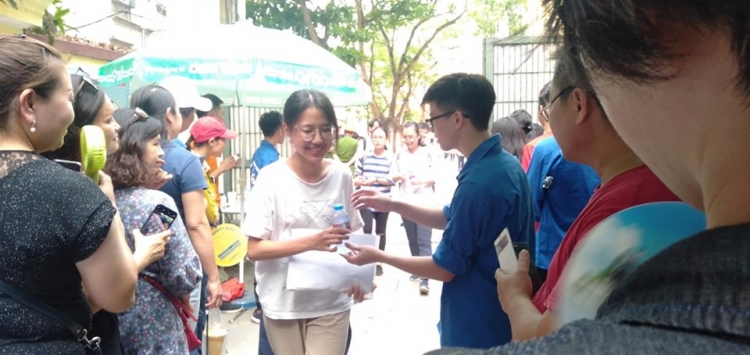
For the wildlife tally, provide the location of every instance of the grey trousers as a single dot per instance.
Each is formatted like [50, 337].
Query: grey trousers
[420, 238]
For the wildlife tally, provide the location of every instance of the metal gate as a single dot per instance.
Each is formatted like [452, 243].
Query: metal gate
[244, 120]
[518, 67]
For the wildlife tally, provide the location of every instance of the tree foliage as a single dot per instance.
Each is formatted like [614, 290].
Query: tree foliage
[387, 40]
[53, 23]
[486, 14]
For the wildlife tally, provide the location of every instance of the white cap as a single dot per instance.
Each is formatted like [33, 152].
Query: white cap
[185, 93]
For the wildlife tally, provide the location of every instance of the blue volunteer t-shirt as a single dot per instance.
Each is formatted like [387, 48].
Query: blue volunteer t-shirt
[187, 173]
[492, 194]
[560, 190]
[263, 156]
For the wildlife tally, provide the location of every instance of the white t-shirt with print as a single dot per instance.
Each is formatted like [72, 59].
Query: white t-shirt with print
[420, 165]
[279, 202]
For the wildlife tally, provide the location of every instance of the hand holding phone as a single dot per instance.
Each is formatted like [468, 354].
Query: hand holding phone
[149, 248]
[506, 254]
[160, 219]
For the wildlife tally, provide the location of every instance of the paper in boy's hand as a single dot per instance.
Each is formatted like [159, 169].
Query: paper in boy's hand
[342, 249]
[506, 256]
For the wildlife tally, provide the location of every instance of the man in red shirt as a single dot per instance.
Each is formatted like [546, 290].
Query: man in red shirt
[543, 118]
[585, 136]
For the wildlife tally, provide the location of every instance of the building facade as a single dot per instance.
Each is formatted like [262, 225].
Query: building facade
[126, 25]
[26, 14]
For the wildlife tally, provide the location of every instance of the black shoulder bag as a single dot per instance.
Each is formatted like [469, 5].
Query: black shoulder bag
[79, 332]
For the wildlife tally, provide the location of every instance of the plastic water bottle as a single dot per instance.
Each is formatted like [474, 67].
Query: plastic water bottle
[340, 217]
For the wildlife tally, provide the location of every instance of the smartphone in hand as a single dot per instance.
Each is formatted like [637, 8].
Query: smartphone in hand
[160, 219]
[506, 254]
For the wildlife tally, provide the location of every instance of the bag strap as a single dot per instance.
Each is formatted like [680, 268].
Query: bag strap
[179, 307]
[80, 333]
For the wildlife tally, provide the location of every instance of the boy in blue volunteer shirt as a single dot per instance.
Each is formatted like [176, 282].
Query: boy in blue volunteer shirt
[273, 135]
[560, 190]
[492, 194]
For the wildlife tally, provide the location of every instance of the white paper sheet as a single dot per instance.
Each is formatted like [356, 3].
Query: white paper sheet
[319, 270]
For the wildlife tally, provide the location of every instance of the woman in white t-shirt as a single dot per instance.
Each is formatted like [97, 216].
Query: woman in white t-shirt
[415, 171]
[296, 193]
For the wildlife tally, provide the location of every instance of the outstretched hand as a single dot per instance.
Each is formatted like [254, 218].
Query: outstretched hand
[363, 198]
[328, 239]
[363, 254]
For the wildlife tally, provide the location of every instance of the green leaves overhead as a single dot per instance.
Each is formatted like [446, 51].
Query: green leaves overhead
[389, 41]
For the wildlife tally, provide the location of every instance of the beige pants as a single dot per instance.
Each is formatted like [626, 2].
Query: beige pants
[324, 335]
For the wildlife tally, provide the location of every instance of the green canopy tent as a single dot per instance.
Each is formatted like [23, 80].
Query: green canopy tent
[242, 64]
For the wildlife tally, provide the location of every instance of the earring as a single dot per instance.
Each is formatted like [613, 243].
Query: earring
[33, 127]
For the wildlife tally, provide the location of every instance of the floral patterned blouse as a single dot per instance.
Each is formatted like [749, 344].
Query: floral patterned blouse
[152, 325]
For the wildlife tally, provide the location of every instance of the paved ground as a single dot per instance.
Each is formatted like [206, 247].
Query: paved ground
[398, 320]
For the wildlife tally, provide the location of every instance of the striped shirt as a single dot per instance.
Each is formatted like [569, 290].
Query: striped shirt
[371, 166]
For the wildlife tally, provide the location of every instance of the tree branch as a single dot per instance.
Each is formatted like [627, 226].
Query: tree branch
[372, 58]
[421, 50]
[411, 38]
[382, 95]
[389, 47]
[363, 69]
[405, 101]
[308, 23]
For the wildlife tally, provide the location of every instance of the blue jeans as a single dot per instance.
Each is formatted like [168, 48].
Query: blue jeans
[264, 347]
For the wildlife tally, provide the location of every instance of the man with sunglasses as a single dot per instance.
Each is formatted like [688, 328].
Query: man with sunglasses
[492, 195]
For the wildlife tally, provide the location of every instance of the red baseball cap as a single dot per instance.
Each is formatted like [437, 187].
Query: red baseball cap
[210, 127]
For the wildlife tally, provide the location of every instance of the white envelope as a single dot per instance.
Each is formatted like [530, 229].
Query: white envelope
[329, 271]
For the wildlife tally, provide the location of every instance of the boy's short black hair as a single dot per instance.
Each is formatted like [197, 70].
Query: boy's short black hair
[215, 103]
[472, 94]
[544, 95]
[270, 123]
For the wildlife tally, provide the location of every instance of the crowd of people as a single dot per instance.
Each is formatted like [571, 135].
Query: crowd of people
[623, 124]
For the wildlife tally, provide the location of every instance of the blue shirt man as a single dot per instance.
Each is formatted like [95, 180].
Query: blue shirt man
[271, 124]
[492, 194]
[560, 190]
[263, 156]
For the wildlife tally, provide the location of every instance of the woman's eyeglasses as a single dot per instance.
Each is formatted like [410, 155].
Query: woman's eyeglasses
[307, 133]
